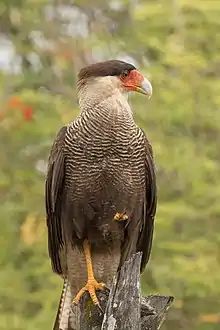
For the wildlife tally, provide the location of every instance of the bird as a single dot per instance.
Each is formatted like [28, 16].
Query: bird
[100, 189]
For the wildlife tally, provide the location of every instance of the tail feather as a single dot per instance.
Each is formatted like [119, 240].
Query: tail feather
[64, 308]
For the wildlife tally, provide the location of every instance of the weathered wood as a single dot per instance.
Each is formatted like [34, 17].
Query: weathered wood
[92, 316]
[153, 311]
[124, 308]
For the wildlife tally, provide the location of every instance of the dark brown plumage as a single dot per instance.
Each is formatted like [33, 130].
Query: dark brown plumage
[101, 164]
[102, 69]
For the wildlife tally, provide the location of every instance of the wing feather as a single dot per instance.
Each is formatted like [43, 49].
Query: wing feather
[53, 195]
[149, 207]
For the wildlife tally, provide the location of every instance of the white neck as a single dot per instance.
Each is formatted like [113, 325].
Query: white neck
[105, 91]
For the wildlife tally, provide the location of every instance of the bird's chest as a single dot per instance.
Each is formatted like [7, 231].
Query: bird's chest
[106, 147]
[106, 157]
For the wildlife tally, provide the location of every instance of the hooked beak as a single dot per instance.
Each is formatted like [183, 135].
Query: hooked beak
[138, 83]
[145, 88]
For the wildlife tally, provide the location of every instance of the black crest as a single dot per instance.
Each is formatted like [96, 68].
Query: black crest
[107, 68]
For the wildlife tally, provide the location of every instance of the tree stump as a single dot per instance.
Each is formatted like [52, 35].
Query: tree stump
[122, 307]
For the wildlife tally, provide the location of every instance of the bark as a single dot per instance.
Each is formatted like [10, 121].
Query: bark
[123, 308]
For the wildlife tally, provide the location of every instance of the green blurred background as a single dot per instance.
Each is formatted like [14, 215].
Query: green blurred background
[176, 44]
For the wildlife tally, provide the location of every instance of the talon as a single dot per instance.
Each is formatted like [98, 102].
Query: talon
[117, 216]
[124, 217]
[91, 286]
[101, 309]
[120, 216]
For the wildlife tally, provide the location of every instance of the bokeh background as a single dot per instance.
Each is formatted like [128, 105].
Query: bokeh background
[176, 44]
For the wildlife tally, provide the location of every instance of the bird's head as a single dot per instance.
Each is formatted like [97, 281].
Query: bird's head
[114, 74]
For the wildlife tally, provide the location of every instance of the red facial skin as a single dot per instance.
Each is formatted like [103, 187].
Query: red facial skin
[132, 81]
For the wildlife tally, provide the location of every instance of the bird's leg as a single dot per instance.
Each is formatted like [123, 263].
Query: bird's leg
[120, 216]
[92, 285]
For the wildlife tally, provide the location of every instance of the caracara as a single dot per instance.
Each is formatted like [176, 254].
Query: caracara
[101, 186]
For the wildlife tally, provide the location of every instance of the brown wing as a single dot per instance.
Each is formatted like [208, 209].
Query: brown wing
[53, 196]
[138, 233]
[149, 207]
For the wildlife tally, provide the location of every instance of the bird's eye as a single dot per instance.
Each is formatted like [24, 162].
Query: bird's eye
[125, 73]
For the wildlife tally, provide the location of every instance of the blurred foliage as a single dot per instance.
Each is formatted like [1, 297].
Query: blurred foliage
[176, 44]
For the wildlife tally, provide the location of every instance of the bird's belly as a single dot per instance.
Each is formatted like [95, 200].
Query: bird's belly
[112, 181]
[105, 180]
[97, 189]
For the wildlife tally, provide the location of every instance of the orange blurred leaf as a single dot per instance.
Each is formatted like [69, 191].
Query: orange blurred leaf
[15, 102]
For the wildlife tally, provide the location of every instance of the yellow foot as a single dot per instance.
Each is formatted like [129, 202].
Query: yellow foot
[120, 216]
[91, 286]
